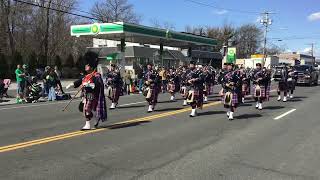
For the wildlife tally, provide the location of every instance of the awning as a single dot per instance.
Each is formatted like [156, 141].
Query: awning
[141, 34]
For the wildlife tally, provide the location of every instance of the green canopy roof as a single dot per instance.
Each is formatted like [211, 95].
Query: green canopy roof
[141, 34]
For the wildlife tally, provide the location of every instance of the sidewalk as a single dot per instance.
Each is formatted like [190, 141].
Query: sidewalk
[13, 88]
[64, 83]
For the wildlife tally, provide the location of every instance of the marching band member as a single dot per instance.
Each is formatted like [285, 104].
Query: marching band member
[114, 86]
[231, 90]
[208, 82]
[151, 89]
[183, 81]
[261, 85]
[292, 80]
[173, 84]
[283, 84]
[195, 88]
[92, 87]
[245, 88]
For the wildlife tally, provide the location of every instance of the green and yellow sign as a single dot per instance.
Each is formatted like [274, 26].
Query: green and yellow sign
[231, 56]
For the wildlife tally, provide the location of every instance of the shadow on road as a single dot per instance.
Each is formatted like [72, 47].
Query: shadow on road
[124, 125]
[300, 97]
[4, 100]
[168, 109]
[211, 113]
[246, 105]
[248, 116]
[273, 107]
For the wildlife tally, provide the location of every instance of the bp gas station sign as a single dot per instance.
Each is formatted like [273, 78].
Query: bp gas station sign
[231, 56]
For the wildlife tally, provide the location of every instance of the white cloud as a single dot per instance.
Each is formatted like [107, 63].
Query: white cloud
[221, 12]
[314, 16]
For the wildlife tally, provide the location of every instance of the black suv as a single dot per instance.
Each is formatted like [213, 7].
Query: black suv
[307, 74]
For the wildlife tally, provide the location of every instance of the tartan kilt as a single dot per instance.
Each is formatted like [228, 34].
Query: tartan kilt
[171, 87]
[265, 91]
[292, 85]
[183, 91]
[282, 86]
[234, 101]
[198, 97]
[154, 95]
[89, 106]
[245, 89]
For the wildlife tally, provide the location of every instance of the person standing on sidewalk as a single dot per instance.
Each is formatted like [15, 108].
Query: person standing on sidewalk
[51, 80]
[139, 72]
[45, 91]
[58, 73]
[21, 83]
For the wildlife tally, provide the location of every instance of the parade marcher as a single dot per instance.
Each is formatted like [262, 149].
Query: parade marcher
[292, 80]
[151, 89]
[261, 85]
[92, 87]
[195, 88]
[283, 84]
[173, 83]
[208, 83]
[245, 84]
[231, 84]
[183, 84]
[114, 86]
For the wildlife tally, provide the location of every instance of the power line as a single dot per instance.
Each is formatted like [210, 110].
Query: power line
[221, 8]
[58, 10]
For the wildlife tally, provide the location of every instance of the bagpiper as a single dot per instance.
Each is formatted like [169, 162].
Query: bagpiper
[283, 84]
[195, 88]
[231, 92]
[208, 83]
[292, 80]
[245, 83]
[183, 84]
[114, 86]
[173, 83]
[92, 87]
[261, 85]
[151, 87]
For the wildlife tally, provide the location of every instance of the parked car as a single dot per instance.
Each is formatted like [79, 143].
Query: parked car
[307, 74]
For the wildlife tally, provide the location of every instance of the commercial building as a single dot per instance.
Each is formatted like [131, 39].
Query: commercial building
[296, 58]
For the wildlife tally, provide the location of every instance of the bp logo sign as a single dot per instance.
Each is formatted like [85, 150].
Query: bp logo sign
[231, 57]
[95, 29]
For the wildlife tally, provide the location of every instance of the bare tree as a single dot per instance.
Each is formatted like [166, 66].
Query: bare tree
[115, 10]
[164, 25]
[248, 39]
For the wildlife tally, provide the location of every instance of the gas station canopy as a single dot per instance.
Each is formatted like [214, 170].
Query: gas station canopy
[141, 34]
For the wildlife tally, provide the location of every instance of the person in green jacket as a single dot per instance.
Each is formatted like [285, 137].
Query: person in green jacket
[21, 83]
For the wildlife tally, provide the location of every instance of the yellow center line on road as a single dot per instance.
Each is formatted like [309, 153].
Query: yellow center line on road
[80, 133]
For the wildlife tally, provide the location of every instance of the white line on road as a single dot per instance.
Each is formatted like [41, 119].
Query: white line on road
[284, 114]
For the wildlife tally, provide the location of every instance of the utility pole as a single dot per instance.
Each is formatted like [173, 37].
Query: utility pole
[312, 51]
[266, 22]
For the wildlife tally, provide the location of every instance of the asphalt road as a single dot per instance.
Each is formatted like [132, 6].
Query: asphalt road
[39, 141]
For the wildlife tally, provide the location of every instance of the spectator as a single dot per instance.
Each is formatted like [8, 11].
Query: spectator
[163, 75]
[51, 81]
[139, 72]
[127, 81]
[45, 90]
[58, 75]
[21, 83]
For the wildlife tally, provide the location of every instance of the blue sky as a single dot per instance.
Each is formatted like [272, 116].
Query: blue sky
[290, 18]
